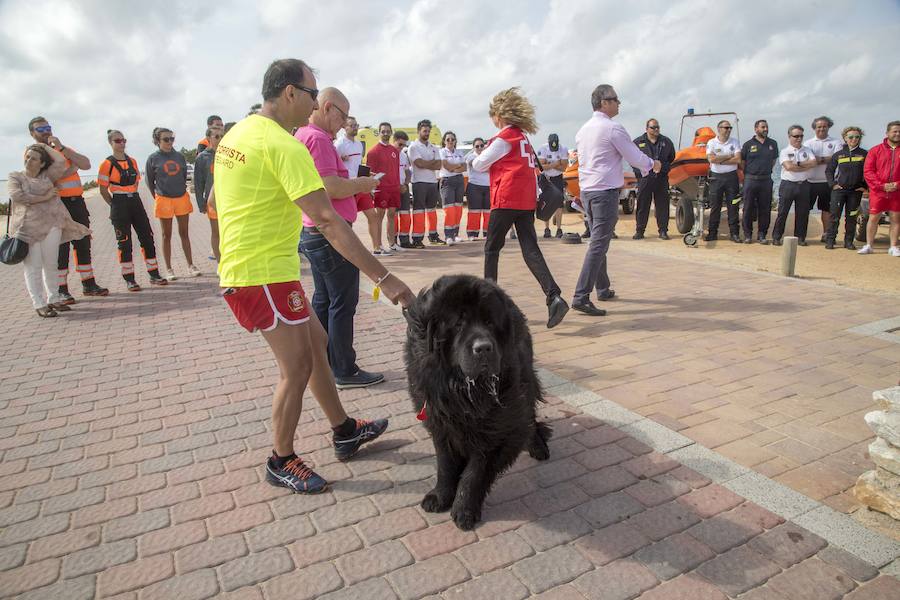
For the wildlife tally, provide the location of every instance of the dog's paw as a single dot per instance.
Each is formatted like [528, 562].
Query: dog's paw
[465, 518]
[539, 449]
[433, 503]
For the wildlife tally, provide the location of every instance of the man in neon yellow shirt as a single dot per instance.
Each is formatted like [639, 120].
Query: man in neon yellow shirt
[264, 177]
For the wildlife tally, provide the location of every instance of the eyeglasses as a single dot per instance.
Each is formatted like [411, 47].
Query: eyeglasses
[119, 141]
[43, 129]
[343, 114]
[613, 99]
[313, 93]
[167, 140]
[797, 136]
[724, 127]
[653, 127]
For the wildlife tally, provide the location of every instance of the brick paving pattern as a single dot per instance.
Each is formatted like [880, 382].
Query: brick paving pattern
[134, 430]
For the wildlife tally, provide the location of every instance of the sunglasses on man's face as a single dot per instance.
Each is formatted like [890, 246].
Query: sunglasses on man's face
[724, 127]
[167, 140]
[43, 129]
[653, 127]
[797, 136]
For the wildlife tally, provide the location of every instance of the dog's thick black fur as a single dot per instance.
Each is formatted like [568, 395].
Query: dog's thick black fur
[470, 364]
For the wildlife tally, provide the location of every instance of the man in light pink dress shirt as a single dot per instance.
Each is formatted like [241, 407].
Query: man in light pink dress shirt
[602, 145]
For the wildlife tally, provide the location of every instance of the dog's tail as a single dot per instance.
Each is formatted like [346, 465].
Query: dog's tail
[538, 448]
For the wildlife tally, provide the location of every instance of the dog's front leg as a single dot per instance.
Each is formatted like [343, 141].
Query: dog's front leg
[449, 466]
[470, 493]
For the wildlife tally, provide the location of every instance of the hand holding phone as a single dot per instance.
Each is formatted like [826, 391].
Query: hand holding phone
[377, 176]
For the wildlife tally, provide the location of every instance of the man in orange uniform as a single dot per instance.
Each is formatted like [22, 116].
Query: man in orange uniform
[71, 192]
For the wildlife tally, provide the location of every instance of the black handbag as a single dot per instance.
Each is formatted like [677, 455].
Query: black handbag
[12, 250]
[551, 197]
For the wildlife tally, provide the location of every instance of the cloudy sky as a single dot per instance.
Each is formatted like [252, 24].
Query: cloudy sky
[94, 64]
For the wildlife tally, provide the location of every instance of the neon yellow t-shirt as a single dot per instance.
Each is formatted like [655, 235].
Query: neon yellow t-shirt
[260, 170]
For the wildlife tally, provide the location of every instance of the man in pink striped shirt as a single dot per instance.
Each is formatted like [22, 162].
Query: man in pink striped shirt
[602, 145]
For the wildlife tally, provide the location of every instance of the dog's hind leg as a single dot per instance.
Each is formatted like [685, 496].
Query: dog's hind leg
[538, 448]
[449, 467]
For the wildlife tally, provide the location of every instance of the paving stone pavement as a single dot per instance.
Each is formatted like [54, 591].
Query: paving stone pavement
[133, 432]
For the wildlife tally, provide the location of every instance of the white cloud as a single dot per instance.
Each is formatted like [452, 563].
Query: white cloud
[95, 64]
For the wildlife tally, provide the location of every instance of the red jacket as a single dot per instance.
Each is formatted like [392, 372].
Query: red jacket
[882, 166]
[513, 184]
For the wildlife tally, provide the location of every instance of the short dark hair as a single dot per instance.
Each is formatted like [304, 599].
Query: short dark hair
[758, 121]
[647, 124]
[892, 124]
[211, 118]
[423, 123]
[401, 135]
[282, 73]
[478, 139]
[46, 160]
[822, 118]
[32, 122]
[383, 123]
[600, 93]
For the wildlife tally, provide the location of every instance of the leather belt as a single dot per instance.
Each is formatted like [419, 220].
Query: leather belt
[758, 177]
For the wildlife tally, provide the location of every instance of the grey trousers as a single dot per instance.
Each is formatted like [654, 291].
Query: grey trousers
[602, 211]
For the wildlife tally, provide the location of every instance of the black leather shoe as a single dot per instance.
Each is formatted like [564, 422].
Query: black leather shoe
[607, 295]
[802, 243]
[829, 245]
[776, 242]
[588, 308]
[763, 241]
[664, 236]
[710, 237]
[586, 235]
[849, 245]
[556, 310]
[547, 233]
[638, 235]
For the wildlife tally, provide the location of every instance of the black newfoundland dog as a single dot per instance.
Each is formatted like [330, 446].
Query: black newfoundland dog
[470, 366]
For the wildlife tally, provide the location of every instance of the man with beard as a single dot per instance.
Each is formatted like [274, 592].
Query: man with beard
[384, 158]
[758, 155]
[425, 159]
[554, 159]
[823, 146]
[654, 186]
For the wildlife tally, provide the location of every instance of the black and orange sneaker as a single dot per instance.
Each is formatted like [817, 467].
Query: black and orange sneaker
[365, 431]
[295, 476]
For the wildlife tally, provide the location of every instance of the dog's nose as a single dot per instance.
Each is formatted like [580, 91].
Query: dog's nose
[482, 348]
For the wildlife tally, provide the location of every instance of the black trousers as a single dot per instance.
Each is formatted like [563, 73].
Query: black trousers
[847, 200]
[655, 190]
[502, 219]
[724, 187]
[757, 204]
[79, 213]
[127, 212]
[796, 193]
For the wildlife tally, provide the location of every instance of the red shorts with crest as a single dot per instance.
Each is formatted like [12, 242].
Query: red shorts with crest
[387, 198]
[261, 307]
[364, 202]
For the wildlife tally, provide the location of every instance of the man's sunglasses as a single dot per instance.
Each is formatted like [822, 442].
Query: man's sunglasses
[724, 127]
[479, 146]
[854, 137]
[653, 127]
[313, 93]
[119, 141]
[796, 136]
[43, 129]
[167, 140]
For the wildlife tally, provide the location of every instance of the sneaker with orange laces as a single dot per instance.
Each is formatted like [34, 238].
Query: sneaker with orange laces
[295, 476]
[365, 431]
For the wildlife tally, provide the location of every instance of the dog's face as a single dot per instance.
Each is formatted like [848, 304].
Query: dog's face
[466, 324]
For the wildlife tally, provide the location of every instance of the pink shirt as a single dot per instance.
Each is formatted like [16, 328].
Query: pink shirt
[328, 164]
[602, 144]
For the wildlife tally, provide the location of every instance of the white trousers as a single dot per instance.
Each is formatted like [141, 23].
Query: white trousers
[40, 269]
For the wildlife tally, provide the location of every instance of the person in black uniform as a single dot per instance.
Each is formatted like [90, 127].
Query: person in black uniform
[847, 184]
[655, 186]
[759, 155]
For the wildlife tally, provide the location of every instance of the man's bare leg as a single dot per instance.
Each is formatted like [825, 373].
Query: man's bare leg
[392, 226]
[374, 228]
[379, 218]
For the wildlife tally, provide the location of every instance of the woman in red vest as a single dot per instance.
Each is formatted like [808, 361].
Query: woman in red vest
[509, 158]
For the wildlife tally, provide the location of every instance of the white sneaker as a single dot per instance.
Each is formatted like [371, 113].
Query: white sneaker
[867, 249]
[451, 241]
[460, 240]
[193, 270]
[894, 251]
[385, 252]
[396, 248]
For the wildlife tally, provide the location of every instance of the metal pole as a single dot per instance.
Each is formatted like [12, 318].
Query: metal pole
[788, 255]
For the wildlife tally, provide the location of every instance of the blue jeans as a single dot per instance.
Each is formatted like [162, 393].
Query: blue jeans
[602, 211]
[334, 300]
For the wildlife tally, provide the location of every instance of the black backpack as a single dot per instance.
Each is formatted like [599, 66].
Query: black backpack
[126, 176]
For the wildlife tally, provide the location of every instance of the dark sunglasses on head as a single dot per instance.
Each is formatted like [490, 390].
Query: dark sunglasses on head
[43, 129]
[119, 141]
[167, 140]
[313, 93]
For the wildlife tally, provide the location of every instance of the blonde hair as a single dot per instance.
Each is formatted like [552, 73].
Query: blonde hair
[514, 108]
[849, 129]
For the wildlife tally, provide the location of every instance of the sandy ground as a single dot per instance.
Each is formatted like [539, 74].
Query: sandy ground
[874, 272]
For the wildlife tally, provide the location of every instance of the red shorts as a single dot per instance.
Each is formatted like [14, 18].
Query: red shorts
[262, 306]
[364, 202]
[387, 198]
[880, 204]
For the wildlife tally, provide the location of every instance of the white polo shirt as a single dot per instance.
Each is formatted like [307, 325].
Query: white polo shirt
[547, 156]
[821, 148]
[425, 151]
[404, 165]
[796, 156]
[454, 158]
[353, 151]
[717, 148]
[477, 177]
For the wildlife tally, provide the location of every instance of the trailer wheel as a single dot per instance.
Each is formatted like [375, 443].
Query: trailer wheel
[689, 239]
[684, 215]
[629, 203]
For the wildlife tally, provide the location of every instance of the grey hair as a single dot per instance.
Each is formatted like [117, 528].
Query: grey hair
[822, 118]
[604, 91]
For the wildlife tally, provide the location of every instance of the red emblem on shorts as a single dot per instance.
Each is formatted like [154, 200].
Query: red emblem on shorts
[295, 301]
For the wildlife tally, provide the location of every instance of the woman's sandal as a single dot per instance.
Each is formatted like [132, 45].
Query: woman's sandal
[46, 311]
